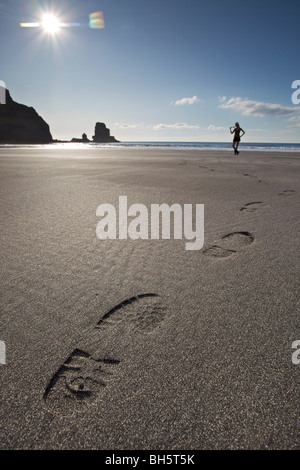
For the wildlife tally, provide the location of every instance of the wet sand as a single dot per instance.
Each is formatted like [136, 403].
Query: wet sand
[140, 344]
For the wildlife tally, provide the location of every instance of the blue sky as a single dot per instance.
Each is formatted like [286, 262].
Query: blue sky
[159, 70]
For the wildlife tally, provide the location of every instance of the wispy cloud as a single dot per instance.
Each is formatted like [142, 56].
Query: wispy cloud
[255, 108]
[177, 125]
[128, 126]
[182, 101]
[215, 128]
[295, 121]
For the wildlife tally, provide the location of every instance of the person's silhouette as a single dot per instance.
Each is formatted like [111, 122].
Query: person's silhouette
[237, 137]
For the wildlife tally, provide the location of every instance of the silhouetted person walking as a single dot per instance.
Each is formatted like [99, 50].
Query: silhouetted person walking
[237, 137]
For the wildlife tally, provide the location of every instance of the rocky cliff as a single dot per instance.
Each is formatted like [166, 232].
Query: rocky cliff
[102, 134]
[20, 124]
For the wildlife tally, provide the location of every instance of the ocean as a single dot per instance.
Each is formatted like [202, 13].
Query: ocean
[265, 147]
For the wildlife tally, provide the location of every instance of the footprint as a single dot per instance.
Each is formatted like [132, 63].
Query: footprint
[206, 168]
[232, 242]
[252, 206]
[287, 192]
[81, 378]
[143, 312]
[250, 176]
[238, 239]
[218, 252]
[78, 382]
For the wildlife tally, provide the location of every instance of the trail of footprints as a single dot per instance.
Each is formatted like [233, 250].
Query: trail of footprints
[232, 242]
[80, 380]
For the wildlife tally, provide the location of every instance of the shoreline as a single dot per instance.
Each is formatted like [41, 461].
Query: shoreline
[182, 146]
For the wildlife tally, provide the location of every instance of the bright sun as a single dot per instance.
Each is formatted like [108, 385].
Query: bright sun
[50, 23]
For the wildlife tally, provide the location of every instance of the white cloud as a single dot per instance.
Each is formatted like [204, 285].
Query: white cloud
[177, 125]
[295, 120]
[182, 101]
[255, 108]
[216, 128]
[128, 126]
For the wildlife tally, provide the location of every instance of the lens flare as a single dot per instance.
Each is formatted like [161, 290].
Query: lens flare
[29, 25]
[96, 20]
[52, 24]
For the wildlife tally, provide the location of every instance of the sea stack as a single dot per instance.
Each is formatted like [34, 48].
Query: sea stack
[84, 139]
[20, 124]
[102, 134]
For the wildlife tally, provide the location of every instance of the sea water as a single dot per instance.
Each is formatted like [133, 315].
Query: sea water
[227, 146]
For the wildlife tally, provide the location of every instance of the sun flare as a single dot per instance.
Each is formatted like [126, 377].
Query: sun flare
[50, 23]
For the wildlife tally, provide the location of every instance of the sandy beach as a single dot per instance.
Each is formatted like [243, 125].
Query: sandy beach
[141, 344]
